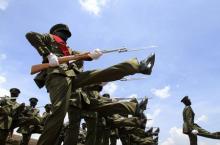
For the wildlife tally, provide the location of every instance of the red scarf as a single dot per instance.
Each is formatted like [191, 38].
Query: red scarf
[62, 45]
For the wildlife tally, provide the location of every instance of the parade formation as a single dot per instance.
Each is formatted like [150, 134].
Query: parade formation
[77, 92]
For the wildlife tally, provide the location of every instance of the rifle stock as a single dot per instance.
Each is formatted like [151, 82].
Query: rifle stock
[39, 67]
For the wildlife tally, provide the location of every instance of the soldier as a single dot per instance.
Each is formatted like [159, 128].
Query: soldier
[60, 79]
[9, 110]
[30, 121]
[46, 114]
[192, 129]
[82, 134]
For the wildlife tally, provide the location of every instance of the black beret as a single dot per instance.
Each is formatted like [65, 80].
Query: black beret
[60, 27]
[33, 99]
[185, 98]
[14, 90]
[48, 106]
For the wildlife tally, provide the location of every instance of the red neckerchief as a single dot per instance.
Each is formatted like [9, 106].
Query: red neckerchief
[62, 45]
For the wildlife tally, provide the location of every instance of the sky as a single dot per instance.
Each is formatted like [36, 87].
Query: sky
[187, 57]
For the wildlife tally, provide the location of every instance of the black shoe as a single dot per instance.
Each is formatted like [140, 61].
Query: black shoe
[156, 140]
[149, 132]
[143, 103]
[147, 64]
[141, 107]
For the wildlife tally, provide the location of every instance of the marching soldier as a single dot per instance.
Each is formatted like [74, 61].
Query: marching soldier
[60, 79]
[9, 111]
[30, 121]
[46, 114]
[192, 129]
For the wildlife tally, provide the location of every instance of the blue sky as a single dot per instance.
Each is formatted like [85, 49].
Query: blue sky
[187, 59]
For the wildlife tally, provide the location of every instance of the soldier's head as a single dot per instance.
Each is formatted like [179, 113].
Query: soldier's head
[48, 107]
[61, 30]
[14, 92]
[84, 125]
[33, 101]
[186, 101]
[106, 95]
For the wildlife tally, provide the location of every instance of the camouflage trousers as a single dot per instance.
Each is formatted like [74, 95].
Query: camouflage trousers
[60, 88]
[3, 136]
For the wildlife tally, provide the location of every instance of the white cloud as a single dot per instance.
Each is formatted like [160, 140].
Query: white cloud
[153, 116]
[3, 4]
[161, 93]
[93, 6]
[178, 138]
[3, 56]
[2, 79]
[202, 118]
[4, 92]
[110, 88]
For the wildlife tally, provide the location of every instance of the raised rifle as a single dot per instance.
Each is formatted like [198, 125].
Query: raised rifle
[84, 56]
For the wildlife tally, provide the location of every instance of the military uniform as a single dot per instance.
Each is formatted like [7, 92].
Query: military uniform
[60, 80]
[30, 123]
[46, 114]
[9, 111]
[189, 125]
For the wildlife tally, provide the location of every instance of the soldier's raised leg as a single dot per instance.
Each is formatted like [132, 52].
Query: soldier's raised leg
[115, 72]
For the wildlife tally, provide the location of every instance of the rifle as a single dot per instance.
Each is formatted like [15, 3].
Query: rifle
[8, 98]
[127, 98]
[84, 56]
[132, 79]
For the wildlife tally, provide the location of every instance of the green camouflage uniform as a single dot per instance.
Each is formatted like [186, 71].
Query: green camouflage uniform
[60, 81]
[135, 136]
[31, 124]
[189, 125]
[7, 122]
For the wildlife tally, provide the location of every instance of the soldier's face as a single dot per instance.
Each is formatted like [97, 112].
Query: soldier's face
[48, 110]
[14, 94]
[33, 104]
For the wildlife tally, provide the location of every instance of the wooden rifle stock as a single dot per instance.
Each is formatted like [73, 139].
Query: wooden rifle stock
[39, 67]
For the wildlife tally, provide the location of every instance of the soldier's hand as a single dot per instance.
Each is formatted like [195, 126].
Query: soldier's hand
[195, 132]
[53, 60]
[95, 54]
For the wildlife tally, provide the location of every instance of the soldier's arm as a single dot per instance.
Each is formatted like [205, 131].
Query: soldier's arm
[189, 120]
[39, 41]
[5, 110]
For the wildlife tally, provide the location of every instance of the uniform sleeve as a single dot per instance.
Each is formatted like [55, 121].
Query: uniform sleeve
[40, 42]
[189, 119]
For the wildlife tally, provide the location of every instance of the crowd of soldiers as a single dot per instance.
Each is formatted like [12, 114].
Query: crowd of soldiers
[78, 93]
[97, 129]
[26, 119]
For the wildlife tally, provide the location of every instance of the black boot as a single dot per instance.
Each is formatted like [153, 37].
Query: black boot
[147, 64]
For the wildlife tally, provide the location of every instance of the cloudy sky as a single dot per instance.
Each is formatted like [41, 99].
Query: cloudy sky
[187, 59]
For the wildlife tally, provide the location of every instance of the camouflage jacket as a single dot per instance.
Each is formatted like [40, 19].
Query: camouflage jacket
[45, 44]
[188, 119]
[8, 107]
[45, 115]
[32, 118]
